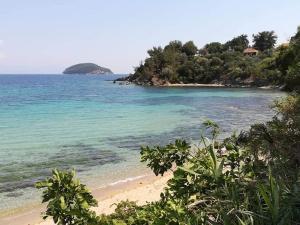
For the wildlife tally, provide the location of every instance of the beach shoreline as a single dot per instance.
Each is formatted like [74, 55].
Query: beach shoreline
[143, 189]
[201, 85]
[192, 85]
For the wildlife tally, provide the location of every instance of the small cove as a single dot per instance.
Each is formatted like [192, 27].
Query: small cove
[97, 127]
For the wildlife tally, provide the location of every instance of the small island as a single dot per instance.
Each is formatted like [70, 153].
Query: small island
[87, 68]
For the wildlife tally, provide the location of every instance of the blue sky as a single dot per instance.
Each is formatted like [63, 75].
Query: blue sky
[45, 36]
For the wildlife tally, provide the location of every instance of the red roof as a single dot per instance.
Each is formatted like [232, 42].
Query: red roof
[250, 50]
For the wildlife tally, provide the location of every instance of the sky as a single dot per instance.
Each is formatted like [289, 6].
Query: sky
[45, 37]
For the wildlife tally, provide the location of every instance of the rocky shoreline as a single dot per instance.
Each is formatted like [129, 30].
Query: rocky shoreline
[128, 81]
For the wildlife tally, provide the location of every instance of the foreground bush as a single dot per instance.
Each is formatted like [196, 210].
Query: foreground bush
[250, 178]
[68, 200]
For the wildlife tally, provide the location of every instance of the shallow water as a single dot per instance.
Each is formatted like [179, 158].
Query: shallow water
[90, 124]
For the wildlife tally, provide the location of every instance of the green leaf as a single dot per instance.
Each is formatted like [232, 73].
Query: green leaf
[62, 203]
[188, 170]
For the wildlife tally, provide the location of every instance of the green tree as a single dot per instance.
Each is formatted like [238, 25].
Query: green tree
[238, 43]
[156, 61]
[174, 45]
[296, 36]
[265, 40]
[214, 47]
[189, 48]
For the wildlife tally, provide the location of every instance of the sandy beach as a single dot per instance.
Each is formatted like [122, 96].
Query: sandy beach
[193, 85]
[141, 190]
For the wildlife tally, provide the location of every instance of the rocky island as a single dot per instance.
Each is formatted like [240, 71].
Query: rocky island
[87, 68]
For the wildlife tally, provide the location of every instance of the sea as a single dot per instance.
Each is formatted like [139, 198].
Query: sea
[95, 126]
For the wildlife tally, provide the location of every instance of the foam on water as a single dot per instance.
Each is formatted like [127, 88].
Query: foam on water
[126, 180]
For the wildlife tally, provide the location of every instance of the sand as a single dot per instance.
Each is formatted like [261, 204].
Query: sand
[193, 85]
[142, 190]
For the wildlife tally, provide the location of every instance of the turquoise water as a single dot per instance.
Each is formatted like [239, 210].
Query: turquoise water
[90, 124]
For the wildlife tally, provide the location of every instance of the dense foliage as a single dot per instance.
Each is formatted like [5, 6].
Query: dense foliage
[223, 63]
[68, 200]
[250, 178]
[265, 40]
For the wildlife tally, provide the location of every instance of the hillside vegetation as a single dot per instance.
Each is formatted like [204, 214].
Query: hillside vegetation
[226, 63]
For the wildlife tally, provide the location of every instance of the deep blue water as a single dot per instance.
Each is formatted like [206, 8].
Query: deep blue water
[90, 124]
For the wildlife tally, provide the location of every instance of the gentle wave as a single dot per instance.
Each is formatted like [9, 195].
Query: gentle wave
[127, 180]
